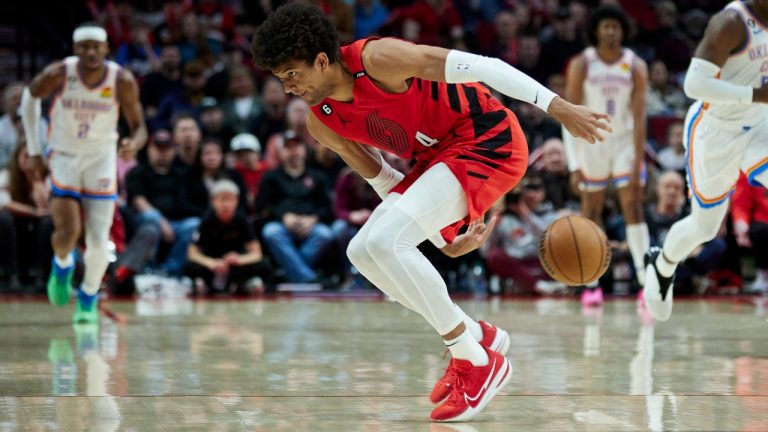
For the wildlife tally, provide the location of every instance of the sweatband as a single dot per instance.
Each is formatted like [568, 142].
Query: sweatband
[91, 33]
[702, 83]
[464, 67]
[30, 118]
[387, 178]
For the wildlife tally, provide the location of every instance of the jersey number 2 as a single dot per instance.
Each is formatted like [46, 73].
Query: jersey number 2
[82, 130]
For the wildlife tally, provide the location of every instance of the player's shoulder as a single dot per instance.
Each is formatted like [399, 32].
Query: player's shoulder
[727, 21]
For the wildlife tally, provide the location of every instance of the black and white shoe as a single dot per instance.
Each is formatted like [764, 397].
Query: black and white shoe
[658, 290]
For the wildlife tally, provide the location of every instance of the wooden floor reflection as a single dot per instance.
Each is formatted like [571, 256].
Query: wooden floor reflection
[317, 365]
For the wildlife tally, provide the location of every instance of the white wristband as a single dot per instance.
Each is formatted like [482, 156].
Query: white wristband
[30, 118]
[463, 67]
[702, 83]
[387, 178]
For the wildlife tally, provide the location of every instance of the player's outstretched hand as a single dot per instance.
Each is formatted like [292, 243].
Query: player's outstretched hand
[477, 233]
[580, 121]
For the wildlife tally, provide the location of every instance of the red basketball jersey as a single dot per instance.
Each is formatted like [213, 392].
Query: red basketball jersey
[421, 118]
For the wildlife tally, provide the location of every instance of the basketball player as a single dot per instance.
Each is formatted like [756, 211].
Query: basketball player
[608, 77]
[422, 102]
[725, 131]
[87, 94]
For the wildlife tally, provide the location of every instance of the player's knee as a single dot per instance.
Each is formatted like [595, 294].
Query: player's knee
[708, 225]
[380, 242]
[357, 252]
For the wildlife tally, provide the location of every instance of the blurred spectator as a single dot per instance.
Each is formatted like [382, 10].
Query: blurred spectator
[353, 204]
[327, 161]
[275, 101]
[370, 15]
[225, 254]
[341, 15]
[137, 53]
[218, 84]
[749, 211]
[154, 190]
[664, 98]
[10, 123]
[209, 168]
[536, 124]
[672, 156]
[562, 43]
[25, 223]
[186, 137]
[212, 121]
[296, 121]
[556, 83]
[529, 58]
[505, 44]
[513, 244]
[164, 80]
[243, 109]
[555, 176]
[185, 100]
[429, 22]
[297, 205]
[247, 154]
[579, 11]
[190, 37]
[671, 45]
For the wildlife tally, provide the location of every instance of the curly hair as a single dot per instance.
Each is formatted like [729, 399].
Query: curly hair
[295, 31]
[607, 12]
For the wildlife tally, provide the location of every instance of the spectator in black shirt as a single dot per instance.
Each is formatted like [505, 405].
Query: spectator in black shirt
[186, 138]
[225, 253]
[153, 190]
[199, 180]
[165, 80]
[555, 176]
[298, 206]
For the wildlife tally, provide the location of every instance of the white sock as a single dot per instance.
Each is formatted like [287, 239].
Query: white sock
[465, 347]
[638, 241]
[665, 268]
[65, 262]
[472, 325]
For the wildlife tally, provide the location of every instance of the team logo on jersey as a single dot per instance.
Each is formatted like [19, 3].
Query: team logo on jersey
[425, 140]
[753, 25]
[106, 92]
[624, 67]
[343, 121]
[387, 134]
[326, 109]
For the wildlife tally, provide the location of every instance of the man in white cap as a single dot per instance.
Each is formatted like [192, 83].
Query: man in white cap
[247, 150]
[88, 93]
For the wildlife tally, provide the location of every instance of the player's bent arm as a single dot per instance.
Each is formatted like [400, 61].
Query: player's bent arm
[362, 159]
[130, 105]
[42, 86]
[638, 105]
[725, 33]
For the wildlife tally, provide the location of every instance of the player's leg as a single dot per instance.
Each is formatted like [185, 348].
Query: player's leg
[99, 214]
[436, 200]
[715, 155]
[67, 225]
[631, 203]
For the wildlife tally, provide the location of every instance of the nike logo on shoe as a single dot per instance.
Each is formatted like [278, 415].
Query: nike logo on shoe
[474, 401]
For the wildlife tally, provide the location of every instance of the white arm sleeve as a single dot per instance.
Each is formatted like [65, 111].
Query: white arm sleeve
[463, 67]
[30, 118]
[702, 83]
[569, 145]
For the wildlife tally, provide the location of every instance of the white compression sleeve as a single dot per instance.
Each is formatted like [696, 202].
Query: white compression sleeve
[569, 145]
[463, 67]
[702, 83]
[387, 178]
[30, 118]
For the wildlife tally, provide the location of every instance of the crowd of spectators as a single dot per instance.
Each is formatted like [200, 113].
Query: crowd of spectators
[231, 190]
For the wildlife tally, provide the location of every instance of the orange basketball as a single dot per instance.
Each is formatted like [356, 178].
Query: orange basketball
[574, 250]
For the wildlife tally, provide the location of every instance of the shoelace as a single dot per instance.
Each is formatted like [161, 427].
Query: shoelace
[459, 371]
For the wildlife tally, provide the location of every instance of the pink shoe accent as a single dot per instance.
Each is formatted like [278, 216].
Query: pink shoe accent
[592, 297]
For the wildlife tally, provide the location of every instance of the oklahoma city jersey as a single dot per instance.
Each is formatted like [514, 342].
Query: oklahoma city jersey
[84, 119]
[608, 88]
[460, 125]
[748, 67]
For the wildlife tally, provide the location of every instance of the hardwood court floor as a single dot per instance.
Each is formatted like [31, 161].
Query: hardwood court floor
[318, 365]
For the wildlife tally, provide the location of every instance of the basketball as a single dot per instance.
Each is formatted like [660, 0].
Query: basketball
[574, 251]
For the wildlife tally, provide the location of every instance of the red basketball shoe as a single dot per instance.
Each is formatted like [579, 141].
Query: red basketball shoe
[494, 338]
[474, 387]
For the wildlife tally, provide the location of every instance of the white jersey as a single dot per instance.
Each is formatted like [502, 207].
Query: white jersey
[608, 88]
[747, 67]
[84, 119]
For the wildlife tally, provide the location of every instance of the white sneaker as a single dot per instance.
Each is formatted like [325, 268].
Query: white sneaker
[760, 285]
[658, 290]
